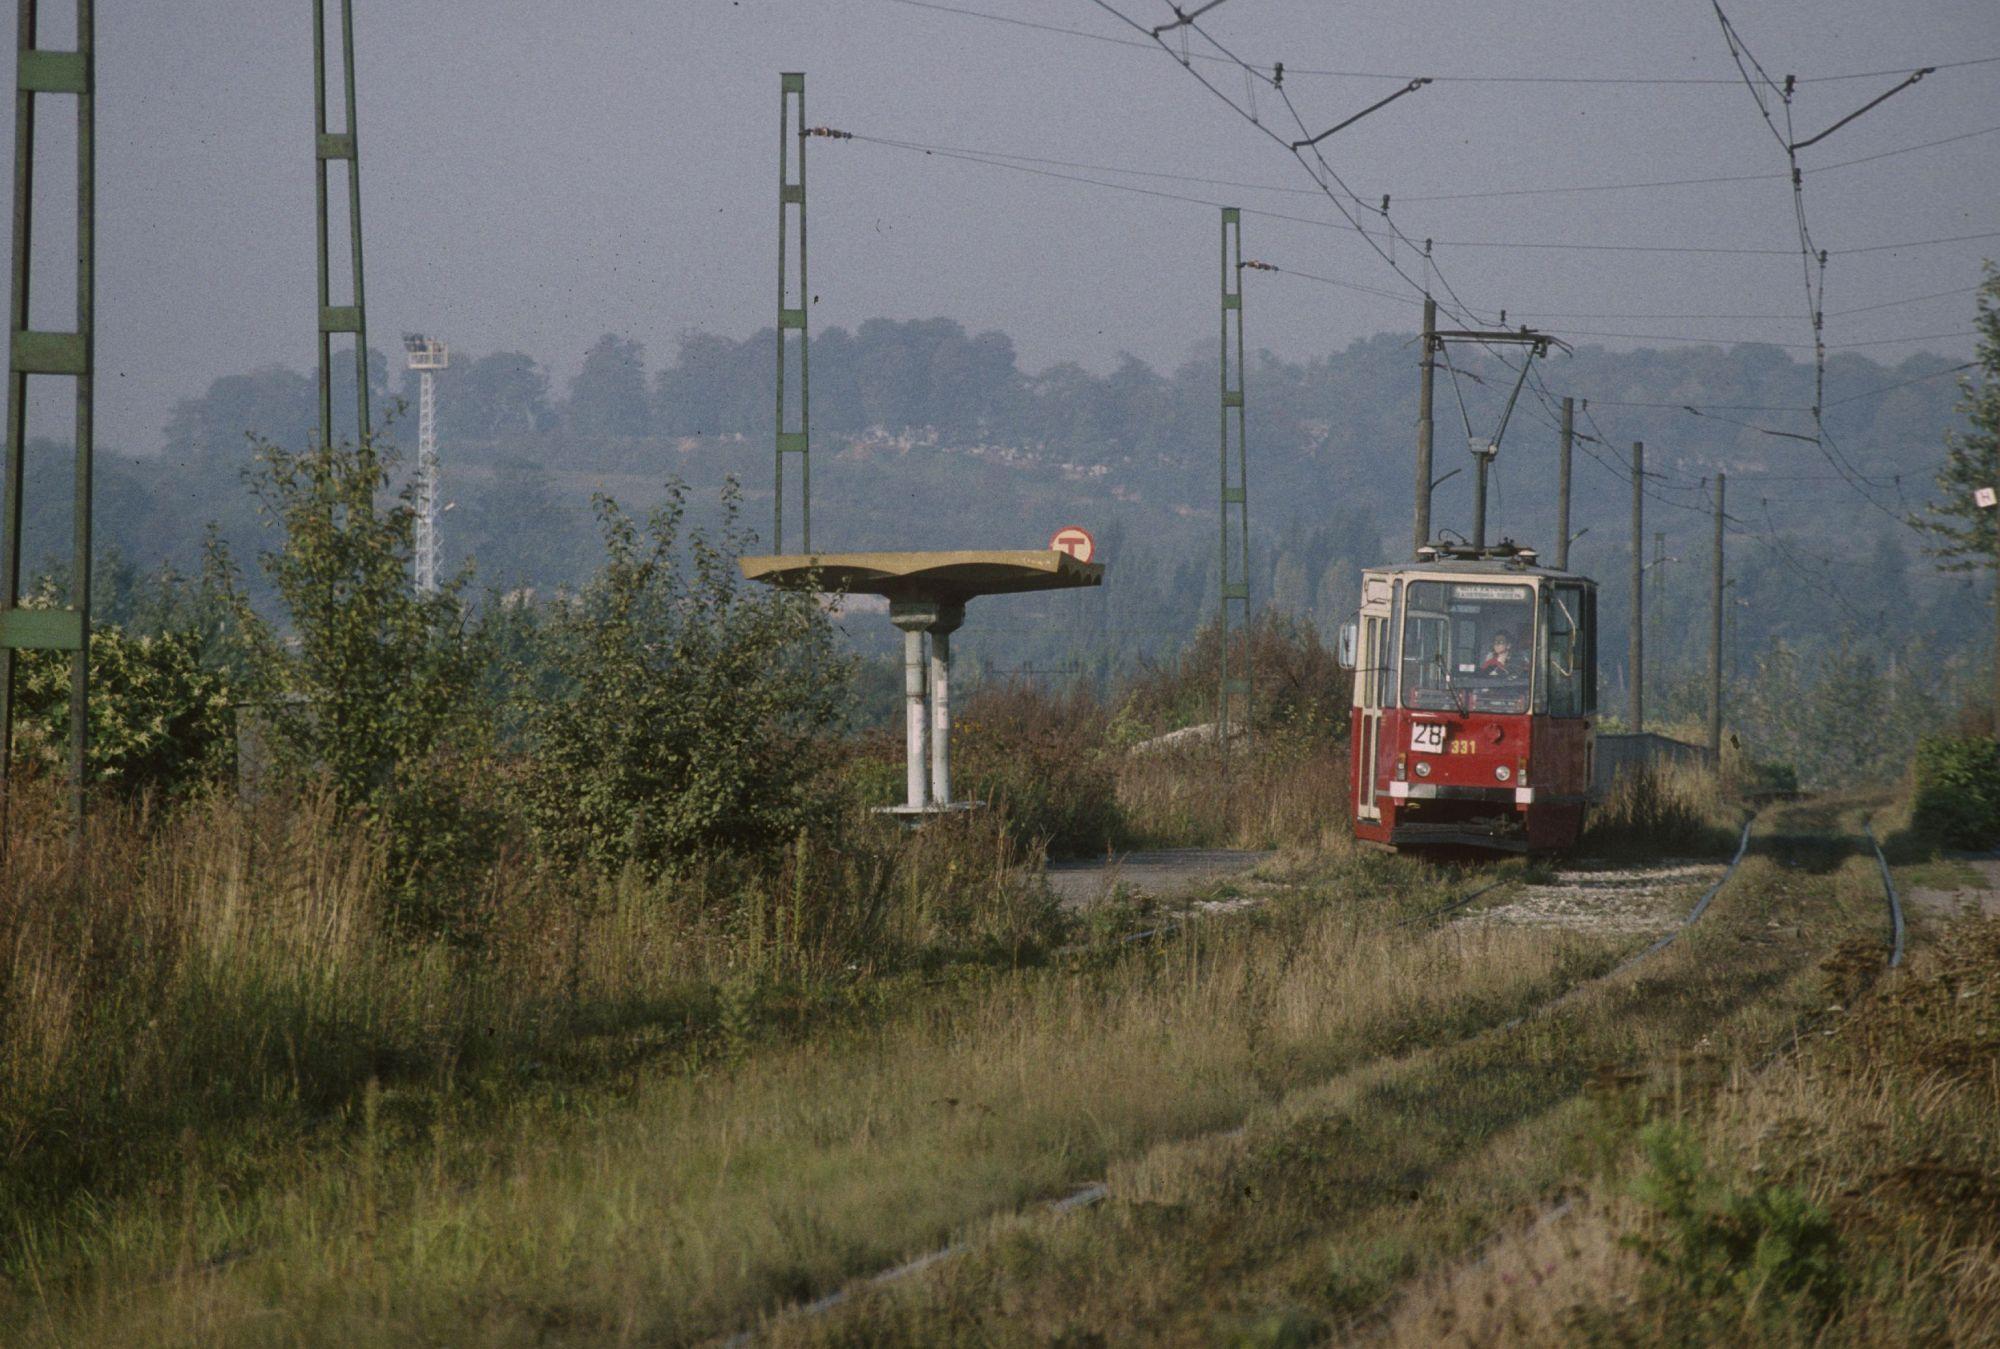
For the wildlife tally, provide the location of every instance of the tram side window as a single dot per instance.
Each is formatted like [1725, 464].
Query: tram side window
[1565, 655]
[1374, 671]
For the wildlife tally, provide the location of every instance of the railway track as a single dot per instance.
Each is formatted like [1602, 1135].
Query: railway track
[1372, 1322]
[1089, 1195]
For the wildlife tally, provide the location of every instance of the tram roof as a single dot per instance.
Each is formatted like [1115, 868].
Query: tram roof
[1494, 566]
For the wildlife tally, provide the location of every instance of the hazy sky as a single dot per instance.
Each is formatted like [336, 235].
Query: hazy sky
[537, 173]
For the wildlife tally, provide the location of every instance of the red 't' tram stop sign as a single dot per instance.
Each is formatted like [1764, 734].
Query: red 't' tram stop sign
[1076, 541]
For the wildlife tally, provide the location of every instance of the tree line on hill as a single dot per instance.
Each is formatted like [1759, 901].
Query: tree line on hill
[928, 435]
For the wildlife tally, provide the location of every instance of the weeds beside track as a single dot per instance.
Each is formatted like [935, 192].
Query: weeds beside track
[1090, 1194]
[1378, 1172]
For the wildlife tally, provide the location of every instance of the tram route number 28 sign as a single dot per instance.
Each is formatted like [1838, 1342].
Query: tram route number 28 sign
[1076, 541]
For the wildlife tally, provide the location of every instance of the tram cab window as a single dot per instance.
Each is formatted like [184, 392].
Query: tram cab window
[1468, 646]
[1567, 677]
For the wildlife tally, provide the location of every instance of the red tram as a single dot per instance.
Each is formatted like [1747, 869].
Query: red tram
[1475, 696]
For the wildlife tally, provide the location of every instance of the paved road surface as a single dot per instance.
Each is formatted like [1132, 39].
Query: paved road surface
[1165, 874]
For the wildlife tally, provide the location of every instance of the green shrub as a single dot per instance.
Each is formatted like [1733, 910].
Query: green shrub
[159, 721]
[1715, 1250]
[688, 709]
[364, 679]
[1958, 790]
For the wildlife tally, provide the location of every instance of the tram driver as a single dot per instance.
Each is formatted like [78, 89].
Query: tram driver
[1501, 662]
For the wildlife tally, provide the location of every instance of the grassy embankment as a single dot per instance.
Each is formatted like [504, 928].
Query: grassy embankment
[241, 1105]
[699, 1192]
[1841, 1192]
[1702, 1179]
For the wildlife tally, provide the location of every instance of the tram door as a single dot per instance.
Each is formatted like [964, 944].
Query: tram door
[1371, 680]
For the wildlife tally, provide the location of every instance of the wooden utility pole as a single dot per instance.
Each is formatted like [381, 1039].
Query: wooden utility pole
[1715, 632]
[1635, 680]
[1562, 484]
[1424, 423]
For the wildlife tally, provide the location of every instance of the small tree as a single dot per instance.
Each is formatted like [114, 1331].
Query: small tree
[1966, 536]
[366, 679]
[691, 708]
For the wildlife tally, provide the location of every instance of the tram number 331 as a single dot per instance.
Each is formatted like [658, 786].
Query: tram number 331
[1428, 737]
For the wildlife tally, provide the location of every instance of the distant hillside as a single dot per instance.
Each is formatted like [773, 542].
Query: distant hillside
[925, 435]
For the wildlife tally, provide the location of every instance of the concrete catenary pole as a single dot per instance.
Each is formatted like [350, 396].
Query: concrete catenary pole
[1715, 629]
[1423, 520]
[1235, 693]
[1636, 660]
[1562, 484]
[794, 417]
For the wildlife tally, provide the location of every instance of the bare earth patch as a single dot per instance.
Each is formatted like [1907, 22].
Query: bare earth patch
[1611, 900]
[1163, 873]
[1981, 899]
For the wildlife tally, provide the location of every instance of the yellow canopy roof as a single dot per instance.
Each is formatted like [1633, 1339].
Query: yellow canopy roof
[948, 576]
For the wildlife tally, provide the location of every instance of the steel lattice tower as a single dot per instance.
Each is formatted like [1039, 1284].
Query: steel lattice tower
[1234, 694]
[40, 71]
[427, 356]
[793, 425]
[328, 146]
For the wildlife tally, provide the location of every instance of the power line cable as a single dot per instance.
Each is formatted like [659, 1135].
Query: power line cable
[1904, 384]
[1200, 180]
[1274, 76]
[1323, 73]
[1831, 313]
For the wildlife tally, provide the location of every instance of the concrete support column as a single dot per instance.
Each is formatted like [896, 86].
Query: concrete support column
[950, 616]
[916, 714]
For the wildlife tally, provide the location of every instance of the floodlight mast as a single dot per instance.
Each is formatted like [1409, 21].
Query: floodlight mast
[427, 356]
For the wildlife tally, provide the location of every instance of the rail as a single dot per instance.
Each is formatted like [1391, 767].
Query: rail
[1895, 903]
[1483, 1253]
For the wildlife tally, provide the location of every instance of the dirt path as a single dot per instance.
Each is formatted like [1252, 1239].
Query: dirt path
[1981, 899]
[1166, 873]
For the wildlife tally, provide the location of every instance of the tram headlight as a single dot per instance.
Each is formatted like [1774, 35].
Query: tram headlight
[1503, 772]
[1423, 769]
[1521, 771]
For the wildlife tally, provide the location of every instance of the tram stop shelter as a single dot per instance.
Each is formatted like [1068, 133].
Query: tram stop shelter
[927, 594]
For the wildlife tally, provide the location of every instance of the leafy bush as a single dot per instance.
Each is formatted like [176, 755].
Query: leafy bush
[159, 721]
[366, 679]
[1958, 790]
[689, 710]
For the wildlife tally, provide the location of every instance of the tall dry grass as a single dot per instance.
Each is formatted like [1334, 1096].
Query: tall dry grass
[232, 969]
[705, 1199]
[1286, 795]
[1297, 1228]
[1663, 807]
[1859, 1171]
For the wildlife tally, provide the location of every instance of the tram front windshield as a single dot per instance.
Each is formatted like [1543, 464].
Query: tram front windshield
[1468, 647]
